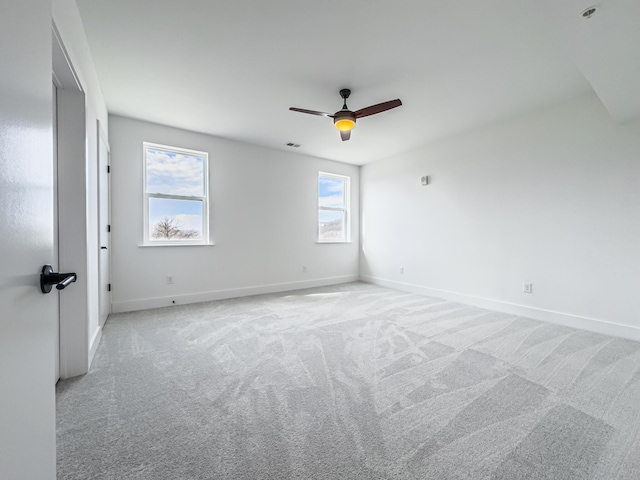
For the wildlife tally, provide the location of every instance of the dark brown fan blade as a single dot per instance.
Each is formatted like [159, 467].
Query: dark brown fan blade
[345, 135]
[380, 107]
[312, 112]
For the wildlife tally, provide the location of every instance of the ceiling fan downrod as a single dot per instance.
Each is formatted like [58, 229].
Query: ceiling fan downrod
[345, 93]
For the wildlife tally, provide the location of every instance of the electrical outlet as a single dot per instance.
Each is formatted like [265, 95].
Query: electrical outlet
[527, 287]
[304, 269]
[401, 270]
[169, 279]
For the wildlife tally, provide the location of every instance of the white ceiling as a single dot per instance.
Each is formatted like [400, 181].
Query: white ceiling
[233, 68]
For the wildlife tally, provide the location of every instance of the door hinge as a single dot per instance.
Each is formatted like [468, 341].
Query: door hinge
[109, 287]
[108, 168]
[109, 228]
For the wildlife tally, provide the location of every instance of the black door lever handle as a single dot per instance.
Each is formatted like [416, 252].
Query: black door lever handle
[48, 278]
[103, 248]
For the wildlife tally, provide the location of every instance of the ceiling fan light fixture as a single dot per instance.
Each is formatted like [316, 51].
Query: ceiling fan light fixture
[345, 124]
[344, 121]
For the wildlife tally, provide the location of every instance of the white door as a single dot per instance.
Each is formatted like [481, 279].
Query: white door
[54, 258]
[104, 170]
[27, 317]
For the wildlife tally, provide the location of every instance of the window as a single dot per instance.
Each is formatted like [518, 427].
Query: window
[175, 196]
[333, 208]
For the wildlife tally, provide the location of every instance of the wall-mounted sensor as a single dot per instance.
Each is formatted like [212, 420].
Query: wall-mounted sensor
[425, 180]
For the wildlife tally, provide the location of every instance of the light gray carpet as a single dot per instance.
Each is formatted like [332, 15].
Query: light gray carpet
[350, 382]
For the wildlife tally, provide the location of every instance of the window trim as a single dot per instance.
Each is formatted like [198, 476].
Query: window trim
[346, 209]
[146, 240]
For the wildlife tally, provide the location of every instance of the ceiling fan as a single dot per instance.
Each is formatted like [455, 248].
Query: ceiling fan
[345, 119]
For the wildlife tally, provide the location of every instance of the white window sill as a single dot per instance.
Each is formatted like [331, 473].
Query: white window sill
[176, 244]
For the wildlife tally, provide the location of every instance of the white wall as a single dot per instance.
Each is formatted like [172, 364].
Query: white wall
[81, 318]
[551, 198]
[263, 207]
[27, 400]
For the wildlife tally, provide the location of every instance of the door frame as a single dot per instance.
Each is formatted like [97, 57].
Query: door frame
[72, 210]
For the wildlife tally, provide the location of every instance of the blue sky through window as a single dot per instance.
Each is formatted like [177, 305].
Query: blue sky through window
[331, 192]
[172, 173]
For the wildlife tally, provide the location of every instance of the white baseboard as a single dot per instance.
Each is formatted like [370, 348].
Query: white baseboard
[93, 346]
[566, 319]
[147, 303]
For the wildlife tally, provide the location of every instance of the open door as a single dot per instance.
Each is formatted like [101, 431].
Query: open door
[104, 224]
[27, 394]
